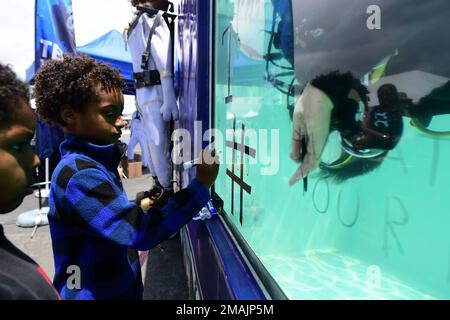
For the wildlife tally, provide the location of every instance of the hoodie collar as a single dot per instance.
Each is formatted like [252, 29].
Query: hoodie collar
[107, 155]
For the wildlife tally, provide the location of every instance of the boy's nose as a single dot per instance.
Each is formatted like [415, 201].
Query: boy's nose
[120, 123]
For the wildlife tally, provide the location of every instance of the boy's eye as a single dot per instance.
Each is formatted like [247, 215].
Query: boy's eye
[110, 114]
[18, 147]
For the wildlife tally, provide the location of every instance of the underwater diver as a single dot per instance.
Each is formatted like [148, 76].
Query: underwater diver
[367, 133]
[316, 40]
[333, 102]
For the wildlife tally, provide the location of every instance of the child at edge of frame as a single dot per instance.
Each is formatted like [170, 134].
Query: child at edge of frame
[21, 278]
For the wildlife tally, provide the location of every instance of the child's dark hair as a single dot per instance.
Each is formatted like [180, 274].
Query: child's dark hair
[72, 82]
[12, 90]
[355, 168]
[337, 86]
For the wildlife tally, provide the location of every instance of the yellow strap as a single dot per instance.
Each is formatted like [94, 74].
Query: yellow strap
[340, 164]
[416, 123]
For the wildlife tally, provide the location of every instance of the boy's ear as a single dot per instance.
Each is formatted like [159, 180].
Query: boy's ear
[68, 115]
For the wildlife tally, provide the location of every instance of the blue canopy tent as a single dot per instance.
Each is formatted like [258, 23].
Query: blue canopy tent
[110, 49]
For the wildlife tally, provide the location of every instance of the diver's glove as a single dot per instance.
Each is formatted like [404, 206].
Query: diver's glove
[169, 108]
[310, 129]
[140, 196]
[157, 196]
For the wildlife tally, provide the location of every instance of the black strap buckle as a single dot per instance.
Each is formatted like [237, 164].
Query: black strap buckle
[144, 60]
[146, 78]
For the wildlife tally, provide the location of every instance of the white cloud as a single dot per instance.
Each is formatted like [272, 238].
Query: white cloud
[93, 18]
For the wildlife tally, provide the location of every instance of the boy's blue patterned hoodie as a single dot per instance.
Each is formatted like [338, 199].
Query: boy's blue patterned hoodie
[97, 231]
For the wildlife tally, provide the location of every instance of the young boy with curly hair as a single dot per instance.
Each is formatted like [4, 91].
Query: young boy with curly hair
[20, 277]
[94, 227]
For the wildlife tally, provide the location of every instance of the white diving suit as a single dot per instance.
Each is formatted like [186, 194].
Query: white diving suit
[150, 43]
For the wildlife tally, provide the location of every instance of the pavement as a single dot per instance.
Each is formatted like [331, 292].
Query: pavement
[164, 278]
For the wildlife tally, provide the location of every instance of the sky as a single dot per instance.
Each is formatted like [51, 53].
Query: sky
[92, 18]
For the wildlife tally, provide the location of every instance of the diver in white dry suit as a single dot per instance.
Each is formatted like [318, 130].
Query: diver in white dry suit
[150, 43]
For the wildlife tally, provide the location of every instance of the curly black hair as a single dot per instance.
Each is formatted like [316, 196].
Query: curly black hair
[72, 82]
[12, 90]
[355, 168]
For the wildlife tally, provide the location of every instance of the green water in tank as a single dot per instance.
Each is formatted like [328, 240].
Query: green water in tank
[383, 235]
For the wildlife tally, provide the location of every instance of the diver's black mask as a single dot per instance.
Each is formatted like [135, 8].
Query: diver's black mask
[380, 129]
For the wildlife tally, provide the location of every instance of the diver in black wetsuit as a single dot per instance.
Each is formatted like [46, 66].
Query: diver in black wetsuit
[367, 133]
[317, 36]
